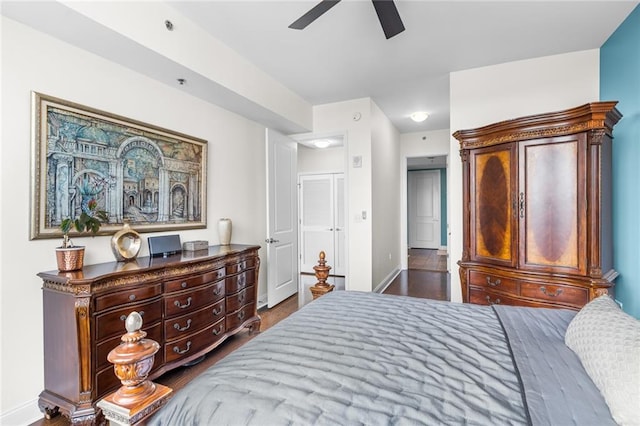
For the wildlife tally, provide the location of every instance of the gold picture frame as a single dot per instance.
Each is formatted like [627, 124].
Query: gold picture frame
[152, 178]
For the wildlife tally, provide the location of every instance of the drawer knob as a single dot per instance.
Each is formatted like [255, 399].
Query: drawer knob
[132, 297]
[217, 311]
[186, 305]
[186, 327]
[493, 283]
[558, 292]
[184, 351]
[184, 284]
[217, 331]
[495, 302]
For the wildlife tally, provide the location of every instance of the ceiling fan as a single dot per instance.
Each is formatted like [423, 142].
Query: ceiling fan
[386, 10]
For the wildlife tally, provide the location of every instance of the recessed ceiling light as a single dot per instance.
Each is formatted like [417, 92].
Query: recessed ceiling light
[419, 116]
[321, 143]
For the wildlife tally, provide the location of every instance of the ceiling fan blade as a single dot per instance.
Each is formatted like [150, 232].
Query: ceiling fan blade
[389, 17]
[313, 14]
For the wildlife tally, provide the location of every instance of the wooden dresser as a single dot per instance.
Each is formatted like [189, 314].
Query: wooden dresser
[190, 303]
[537, 209]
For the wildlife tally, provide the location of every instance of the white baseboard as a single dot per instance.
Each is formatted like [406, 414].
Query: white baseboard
[24, 414]
[442, 250]
[388, 279]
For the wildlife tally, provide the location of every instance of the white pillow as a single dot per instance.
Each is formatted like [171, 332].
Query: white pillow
[607, 341]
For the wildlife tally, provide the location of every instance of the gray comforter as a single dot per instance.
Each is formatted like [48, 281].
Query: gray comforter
[353, 358]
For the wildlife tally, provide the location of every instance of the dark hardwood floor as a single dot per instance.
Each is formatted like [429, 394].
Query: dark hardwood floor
[412, 282]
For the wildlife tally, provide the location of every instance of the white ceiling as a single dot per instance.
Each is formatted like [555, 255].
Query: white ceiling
[344, 54]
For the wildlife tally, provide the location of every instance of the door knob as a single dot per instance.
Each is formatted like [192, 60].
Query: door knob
[271, 240]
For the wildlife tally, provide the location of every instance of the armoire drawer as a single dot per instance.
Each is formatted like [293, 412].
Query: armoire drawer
[188, 301]
[556, 293]
[494, 282]
[186, 324]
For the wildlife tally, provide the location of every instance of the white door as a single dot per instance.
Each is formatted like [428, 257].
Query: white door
[424, 209]
[282, 230]
[322, 221]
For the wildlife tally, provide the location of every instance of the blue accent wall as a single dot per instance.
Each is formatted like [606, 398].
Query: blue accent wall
[620, 81]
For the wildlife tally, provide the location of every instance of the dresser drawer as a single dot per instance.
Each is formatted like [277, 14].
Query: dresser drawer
[555, 293]
[112, 323]
[237, 318]
[494, 282]
[189, 301]
[187, 324]
[127, 296]
[154, 332]
[194, 343]
[241, 266]
[241, 298]
[240, 281]
[190, 282]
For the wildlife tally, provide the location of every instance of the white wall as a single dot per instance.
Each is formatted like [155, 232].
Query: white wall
[486, 95]
[328, 160]
[353, 118]
[385, 184]
[419, 144]
[34, 61]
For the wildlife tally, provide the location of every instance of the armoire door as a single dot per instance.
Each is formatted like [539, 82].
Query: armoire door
[552, 204]
[322, 221]
[493, 227]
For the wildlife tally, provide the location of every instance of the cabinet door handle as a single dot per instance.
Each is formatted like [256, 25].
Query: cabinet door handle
[217, 331]
[177, 303]
[217, 311]
[177, 350]
[186, 327]
[558, 292]
[495, 302]
[493, 283]
[522, 204]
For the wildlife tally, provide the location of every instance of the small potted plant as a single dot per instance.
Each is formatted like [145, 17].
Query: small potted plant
[69, 256]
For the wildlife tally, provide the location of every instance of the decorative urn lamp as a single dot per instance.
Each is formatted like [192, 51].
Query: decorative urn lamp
[322, 273]
[132, 360]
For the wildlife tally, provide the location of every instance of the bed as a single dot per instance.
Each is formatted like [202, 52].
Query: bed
[352, 358]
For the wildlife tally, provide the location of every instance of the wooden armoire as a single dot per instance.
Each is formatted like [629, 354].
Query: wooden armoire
[537, 209]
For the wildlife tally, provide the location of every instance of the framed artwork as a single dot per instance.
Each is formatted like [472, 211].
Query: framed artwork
[152, 178]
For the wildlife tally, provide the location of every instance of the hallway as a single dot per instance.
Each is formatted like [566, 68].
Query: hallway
[427, 276]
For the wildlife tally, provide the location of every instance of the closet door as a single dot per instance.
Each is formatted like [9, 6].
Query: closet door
[322, 221]
[493, 226]
[316, 220]
[552, 200]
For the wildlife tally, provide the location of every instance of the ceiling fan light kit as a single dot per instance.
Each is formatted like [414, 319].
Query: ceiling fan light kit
[385, 9]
